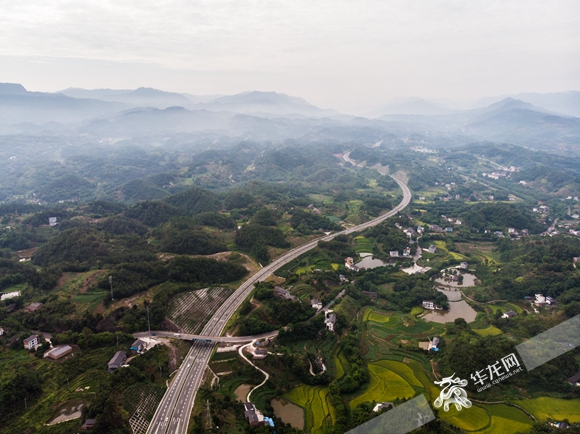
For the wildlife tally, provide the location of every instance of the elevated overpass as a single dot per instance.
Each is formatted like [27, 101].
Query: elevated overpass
[205, 338]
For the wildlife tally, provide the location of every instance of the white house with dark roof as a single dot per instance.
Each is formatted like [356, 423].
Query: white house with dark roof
[31, 342]
[509, 314]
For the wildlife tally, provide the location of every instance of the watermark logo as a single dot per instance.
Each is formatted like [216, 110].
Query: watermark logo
[496, 372]
[452, 393]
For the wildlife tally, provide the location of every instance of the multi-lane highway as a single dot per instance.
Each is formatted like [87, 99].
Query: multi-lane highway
[173, 413]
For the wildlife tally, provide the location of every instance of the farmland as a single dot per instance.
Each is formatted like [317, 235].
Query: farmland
[319, 413]
[553, 408]
[506, 419]
[190, 310]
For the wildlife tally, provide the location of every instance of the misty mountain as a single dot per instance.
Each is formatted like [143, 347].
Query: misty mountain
[18, 106]
[266, 104]
[567, 103]
[141, 97]
[414, 106]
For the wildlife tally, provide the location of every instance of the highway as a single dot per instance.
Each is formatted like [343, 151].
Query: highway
[174, 411]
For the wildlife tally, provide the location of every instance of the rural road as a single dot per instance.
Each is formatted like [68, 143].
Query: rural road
[174, 411]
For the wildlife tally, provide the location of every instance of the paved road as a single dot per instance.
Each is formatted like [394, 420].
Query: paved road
[174, 411]
[188, 337]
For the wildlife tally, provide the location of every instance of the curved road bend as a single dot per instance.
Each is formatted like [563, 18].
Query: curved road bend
[174, 411]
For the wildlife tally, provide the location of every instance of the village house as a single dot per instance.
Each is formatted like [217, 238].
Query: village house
[58, 352]
[428, 304]
[139, 346]
[509, 314]
[574, 380]
[349, 263]
[316, 304]
[1, 331]
[253, 416]
[89, 424]
[394, 254]
[260, 353]
[382, 405]
[407, 251]
[31, 342]
[283, 293]
[434, 344]
[117, 361]
[330, 320]
[370, 294]
[464, 265]
[432, 248]
[435, 228]
[34, 307]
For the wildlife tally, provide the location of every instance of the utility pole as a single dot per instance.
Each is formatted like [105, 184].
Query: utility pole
[26, 404]
[208, 425]
[111, 283]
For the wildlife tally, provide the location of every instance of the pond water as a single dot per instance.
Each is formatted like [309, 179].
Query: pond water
[289, 413]
[369, 262]
[468, 280]
[242, 391]
[458, 308]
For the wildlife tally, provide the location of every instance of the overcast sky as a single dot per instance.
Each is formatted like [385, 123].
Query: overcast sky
[336, 54]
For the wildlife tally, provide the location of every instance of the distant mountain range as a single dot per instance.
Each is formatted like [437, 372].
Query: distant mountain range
[274, 116]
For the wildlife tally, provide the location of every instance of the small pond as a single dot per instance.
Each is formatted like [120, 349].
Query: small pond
[468, 280]
[369, 262]
[458, 308]
[242, 391]
[289, 413]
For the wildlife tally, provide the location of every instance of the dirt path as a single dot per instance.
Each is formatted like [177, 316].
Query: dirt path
[241, 351]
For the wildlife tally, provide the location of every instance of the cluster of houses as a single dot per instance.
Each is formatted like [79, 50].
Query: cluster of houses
[542, 209]
[439, 229]
[540, 300]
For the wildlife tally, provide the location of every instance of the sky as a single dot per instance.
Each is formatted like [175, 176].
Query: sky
[347, 55]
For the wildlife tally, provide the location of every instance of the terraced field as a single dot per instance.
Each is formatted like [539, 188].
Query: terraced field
[505, 307]
[191, 310]
[363, 245]
[468, 419]
[554, 408]
[319, 414]
[384, 385]
[489, 331]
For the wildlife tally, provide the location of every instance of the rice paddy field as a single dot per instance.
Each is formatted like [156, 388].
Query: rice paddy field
[506, 419]
[554, 408]
[318, 412]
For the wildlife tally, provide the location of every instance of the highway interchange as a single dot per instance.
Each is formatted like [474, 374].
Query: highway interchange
[173, 413]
